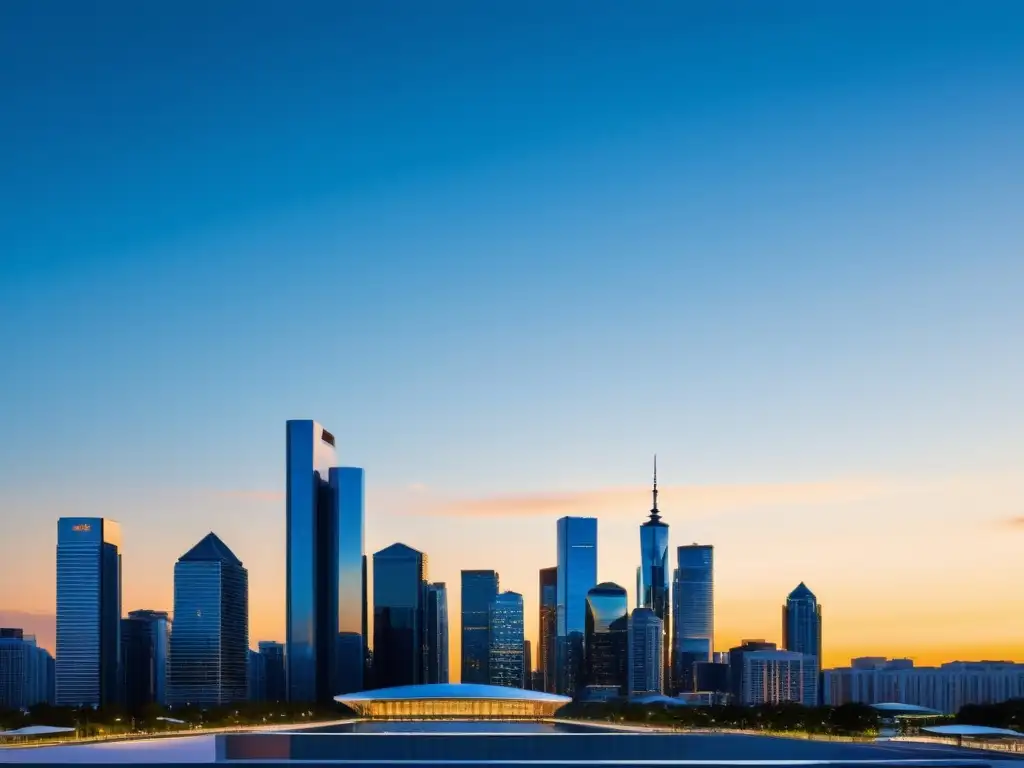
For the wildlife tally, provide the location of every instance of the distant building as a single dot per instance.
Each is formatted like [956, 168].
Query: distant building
[399, 632]
[527, 665]
[88, 612]
[273, 666]
[946, 688]
[26, 671]
[646, 672]
[437, 633]
[711, 677]
[736, 669]
[256, 676]
[772, 677]
[506, 662]
[548, 626]
[577, 573]
[479, 588]
[605, 644]
[693, 613]
[801, 633]
[145, 653]
[653, 577]
[210, 638]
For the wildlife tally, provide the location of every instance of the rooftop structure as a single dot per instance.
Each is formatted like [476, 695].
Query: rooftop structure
[461, 700]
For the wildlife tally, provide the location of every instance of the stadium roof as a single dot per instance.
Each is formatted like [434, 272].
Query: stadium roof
[972, 730]
[898, 708]
[37, 730]
[657, 698]
[451, 691]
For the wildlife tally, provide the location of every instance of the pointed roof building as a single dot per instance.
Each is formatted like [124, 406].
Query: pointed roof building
[211, 549]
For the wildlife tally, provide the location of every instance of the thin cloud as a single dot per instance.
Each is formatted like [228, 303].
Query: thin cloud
[251, 495]
[1016, 522]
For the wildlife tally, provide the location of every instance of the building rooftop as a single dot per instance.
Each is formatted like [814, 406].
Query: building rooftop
[973, 730]
[211, 549]
[452, 691]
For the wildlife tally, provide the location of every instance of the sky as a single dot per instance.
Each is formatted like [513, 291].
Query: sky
[506, 252]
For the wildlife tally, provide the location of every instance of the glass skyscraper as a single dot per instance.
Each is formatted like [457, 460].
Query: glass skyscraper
[26, 671]
[437, 633]
[399, 636]
[325, 611]
[507, 662]
[645, 660]
[548, 628]
[693, 613]
[577, 573]
[607, 627]
[801, 633]
[145, 650]
[652, 583]
[88, 612]
[210, 639]
[273, 655]
[479, 588]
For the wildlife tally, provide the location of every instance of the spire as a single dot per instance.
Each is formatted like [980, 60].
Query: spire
[655, 515]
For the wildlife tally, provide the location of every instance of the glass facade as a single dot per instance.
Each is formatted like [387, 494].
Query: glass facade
[88, 612]
[506, 661]
[325, 614]
[210, 641]
[273, 654]
[145, 650]
[399, 589]
[607, 627]
[645, 667]
[577, 573]
[693, 613]
[479, 588]
[801, 633]
[548, 628]
[26, 671]
[653, 578]
[437, 633]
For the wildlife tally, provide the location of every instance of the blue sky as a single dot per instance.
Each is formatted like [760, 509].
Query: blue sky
[507, 250]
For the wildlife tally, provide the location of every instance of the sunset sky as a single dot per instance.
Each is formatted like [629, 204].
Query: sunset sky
[505, 253]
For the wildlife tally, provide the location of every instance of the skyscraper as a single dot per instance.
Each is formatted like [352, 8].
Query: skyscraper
[325, 618]
[437, 633]
[26, 671]
[653, 590]
[772, 677]
[145, 650]
[506, 662]
[257, 676]
[577, 573]
[801, 633]
[737, 679]
[693, 613]
[548, 625]
[210, 639]
[479, 588]
[399, 635]
[605, 646]
[645, 661]
[273, 655]
[88, 612]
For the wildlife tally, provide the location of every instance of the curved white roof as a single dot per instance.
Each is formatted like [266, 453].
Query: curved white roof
[37, 730]
[895, 706]
[451, 691]
[971, 730]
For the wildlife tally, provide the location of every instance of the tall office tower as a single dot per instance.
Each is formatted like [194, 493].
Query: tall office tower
[693, 614]
[479, 588]
[437, 633]
[645, 661]
[88, 612]
[145, 649]
[653, 590]
[801, 633]
[505, 663]
[273, 655]
[605, 643]
[577, 573]
[25, 671]
[325, 615]
[528, 665]
[736, 669]
[548, 628]
[772, 677]
[256, 676]
[399, 588]
[210, 640]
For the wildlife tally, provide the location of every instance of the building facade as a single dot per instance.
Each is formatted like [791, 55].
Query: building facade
[399, 636]
[145, 651]
[210, 637]
[507, 648]
[26, 671]
[605, 639]
[645, 667]
[801, 633]
[653, 577]
[437, 633]
[274, 670]
[325, 610]
[772, 677]
[693, 614]
[88, 612]
[736, 669]
[479, 588]
[256, 676]
[577, 573]
[548, 628]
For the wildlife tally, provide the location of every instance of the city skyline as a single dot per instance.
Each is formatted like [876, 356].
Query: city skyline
[506, 255]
